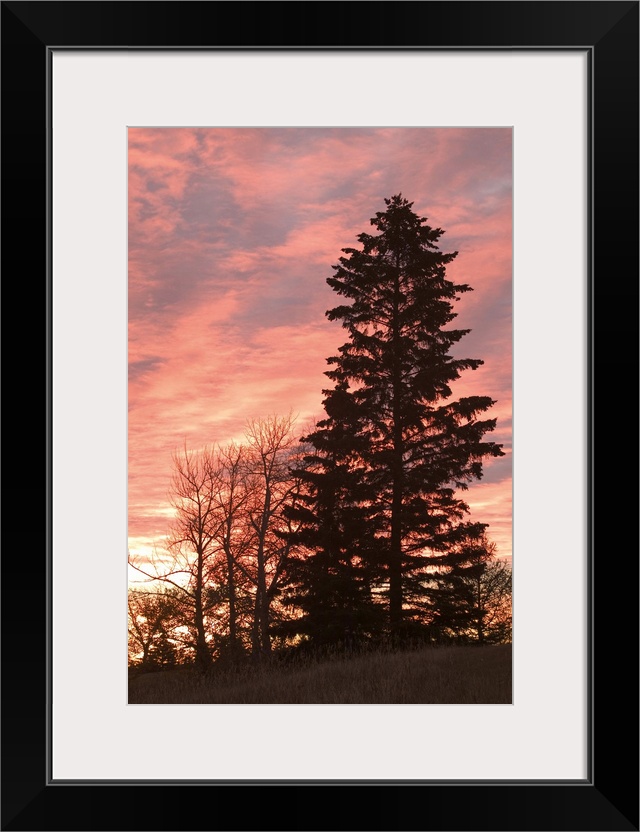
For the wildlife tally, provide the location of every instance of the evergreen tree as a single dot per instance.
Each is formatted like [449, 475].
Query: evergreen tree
[407, 447]
[452, 592]
[330, 578]
[471, 602]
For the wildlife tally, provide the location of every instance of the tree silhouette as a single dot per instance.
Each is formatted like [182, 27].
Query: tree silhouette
[330, 574]
[154, 620]
[472, 602]
[234, 537]
[409, 446]
[493, 603]
[192, 545]
[229, 539]
[270, 448]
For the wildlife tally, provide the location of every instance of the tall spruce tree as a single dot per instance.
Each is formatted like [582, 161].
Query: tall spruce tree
[331, 576]
[407, 446]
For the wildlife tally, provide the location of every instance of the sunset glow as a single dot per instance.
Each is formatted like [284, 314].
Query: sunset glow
[232, 234]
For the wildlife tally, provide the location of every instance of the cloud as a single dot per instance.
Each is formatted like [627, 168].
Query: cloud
[232, 235]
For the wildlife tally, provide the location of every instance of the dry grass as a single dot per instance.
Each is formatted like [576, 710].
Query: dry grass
[437, 676]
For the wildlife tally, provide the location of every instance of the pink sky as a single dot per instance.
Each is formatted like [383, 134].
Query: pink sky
[232, 234]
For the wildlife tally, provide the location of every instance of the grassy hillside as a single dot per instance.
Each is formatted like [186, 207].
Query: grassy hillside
[436, 675]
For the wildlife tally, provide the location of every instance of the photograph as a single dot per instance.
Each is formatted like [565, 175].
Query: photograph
[320, 414]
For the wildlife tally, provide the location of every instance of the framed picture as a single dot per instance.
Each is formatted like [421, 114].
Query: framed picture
[564, 78]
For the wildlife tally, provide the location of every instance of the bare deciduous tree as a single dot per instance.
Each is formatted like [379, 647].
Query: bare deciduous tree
[493, 601]
[191, 544]
[271, 445]
[233, 535]
[228, 543]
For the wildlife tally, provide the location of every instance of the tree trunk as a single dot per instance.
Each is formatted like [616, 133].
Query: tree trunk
[203, 656]
[233, 627]
[255, 629]
[395, 553]
[479, 613]
[262, 638]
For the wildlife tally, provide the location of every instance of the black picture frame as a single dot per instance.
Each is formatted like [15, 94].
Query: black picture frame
[608, 798]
